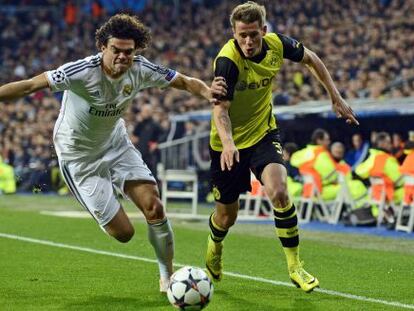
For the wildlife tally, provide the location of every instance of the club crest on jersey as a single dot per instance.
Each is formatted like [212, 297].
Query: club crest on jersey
[274, 58]
[96, 93]
[127, 90]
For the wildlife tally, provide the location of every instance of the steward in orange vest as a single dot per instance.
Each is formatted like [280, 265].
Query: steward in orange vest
[381, 164]
[407, 169]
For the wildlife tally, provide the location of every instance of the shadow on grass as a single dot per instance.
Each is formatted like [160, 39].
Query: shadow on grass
[265, 301]
[103, 302]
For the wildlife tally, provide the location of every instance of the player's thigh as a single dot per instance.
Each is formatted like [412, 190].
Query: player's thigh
[228, 185]
[274, 178]
[132, 178]
[92, 187]
[126, 165]
[267, 163]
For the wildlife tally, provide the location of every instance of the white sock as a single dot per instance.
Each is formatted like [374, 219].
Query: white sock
[162, 239]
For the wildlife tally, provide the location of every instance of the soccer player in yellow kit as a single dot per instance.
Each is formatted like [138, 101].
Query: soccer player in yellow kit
[245, 135]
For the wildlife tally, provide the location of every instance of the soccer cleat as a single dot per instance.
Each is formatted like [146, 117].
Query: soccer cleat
[303, 279]
[214, 263]
[164, 283]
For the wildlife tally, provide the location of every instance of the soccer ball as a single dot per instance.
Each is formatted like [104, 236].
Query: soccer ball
[190, 289]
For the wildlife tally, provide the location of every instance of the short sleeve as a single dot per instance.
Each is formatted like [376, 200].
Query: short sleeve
[66, 76]
[58, 80]
[227, 69]
[292, 49]
[152, 75]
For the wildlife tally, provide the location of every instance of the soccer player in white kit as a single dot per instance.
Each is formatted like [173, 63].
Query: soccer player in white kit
[96, 156]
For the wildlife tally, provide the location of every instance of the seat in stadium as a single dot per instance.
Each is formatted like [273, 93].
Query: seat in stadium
[405, 217]
[311, 201]
[258, 198]
[189, 180]
[378, 197]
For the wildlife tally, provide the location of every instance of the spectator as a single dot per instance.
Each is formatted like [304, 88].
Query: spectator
[288, 149]
[398, 146]
[382, 164]
[357, 190]
[146, 136]
[34, 40]
[7, 179]
[358, 151]
[316, 160]
[338, 151]
[294, 179]
[71, 12]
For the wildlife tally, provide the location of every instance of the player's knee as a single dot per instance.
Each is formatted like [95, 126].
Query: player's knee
[125, 235]
[226, 221]
[229, 222]
[155, 211]
[279, 197]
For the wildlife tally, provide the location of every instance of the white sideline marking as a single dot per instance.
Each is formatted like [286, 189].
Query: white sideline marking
[236, 275]
[183, 216]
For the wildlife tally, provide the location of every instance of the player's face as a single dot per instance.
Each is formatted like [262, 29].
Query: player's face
[249, 37]
[118, 56]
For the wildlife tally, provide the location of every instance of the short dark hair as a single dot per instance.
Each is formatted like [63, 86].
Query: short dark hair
[381, 137]
[317, 135]
[123, 26]
[247, 13]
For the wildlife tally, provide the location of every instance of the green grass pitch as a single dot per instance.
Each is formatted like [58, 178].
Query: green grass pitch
[356, 272]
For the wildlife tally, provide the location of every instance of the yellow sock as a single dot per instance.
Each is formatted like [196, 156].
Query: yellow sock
[286, 223]
[217, 233]
[292, 256]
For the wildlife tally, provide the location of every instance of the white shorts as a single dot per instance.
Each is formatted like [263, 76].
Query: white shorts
[96, 182]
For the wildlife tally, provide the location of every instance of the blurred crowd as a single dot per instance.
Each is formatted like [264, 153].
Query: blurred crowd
[366, 45]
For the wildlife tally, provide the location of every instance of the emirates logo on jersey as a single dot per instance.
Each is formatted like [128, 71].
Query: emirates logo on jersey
[127, 90]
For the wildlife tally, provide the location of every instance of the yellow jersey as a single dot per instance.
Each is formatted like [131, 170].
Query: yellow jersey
[251, 109]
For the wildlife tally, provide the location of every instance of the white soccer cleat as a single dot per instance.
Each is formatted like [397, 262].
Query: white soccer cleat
[164, 283]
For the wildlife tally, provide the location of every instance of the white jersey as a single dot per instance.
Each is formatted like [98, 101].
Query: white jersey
[92, 104]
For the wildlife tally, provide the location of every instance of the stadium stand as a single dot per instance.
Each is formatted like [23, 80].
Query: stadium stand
[366, 46]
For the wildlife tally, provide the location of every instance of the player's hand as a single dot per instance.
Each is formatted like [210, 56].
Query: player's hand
[229, 155]
[343, 110]
[218, 89]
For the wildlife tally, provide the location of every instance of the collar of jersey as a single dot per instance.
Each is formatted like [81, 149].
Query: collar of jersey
[259, 57]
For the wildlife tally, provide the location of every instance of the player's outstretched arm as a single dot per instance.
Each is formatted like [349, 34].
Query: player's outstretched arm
[23, 88]
[199, 88]
[223, 124]
[318, 69]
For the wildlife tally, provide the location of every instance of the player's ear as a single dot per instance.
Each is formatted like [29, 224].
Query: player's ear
[104, 46]
[264, 29]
